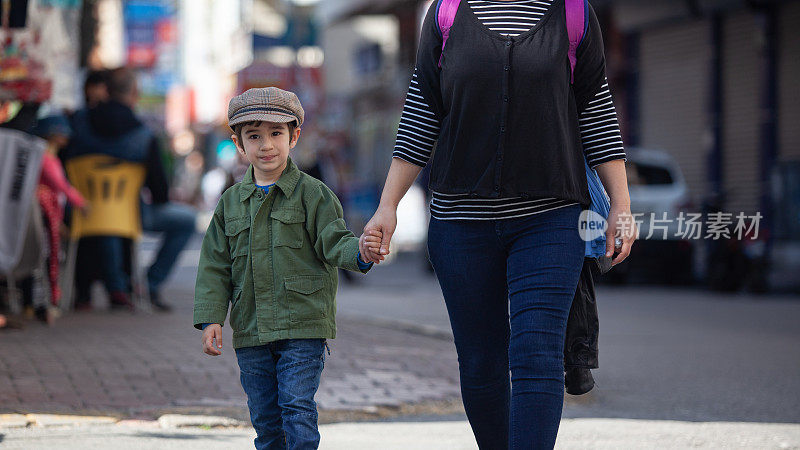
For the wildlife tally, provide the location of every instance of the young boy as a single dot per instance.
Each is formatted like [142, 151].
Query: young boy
[272, 251]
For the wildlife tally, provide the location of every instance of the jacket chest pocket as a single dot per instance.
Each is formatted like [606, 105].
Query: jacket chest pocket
[287, 227]
[306, 297]
[238, 232]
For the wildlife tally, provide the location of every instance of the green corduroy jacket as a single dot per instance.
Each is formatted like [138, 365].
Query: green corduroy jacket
[274, 257]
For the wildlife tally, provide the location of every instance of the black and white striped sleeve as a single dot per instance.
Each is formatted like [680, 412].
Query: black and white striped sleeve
[418, 129]
[600, 133]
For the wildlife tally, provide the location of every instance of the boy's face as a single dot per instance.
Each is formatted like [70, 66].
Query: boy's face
[266, 146]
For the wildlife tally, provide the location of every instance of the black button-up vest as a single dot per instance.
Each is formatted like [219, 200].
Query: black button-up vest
[509, 118]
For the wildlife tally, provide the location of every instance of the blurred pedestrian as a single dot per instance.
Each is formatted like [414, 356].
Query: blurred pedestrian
[323, 165]
[95, 88]
[508, 187]
[112, 128]
[271, 250]
[53, 185]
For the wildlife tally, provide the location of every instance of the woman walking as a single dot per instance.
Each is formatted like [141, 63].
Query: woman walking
[513, 122]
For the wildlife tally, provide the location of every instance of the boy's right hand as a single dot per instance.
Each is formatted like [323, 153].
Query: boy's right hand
[211, 334]
[369, 245]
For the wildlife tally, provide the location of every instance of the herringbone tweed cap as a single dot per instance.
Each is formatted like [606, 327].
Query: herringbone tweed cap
[269, 104]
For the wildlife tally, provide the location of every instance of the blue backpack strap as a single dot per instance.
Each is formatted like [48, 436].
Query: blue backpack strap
[577, 24]
[445, 15]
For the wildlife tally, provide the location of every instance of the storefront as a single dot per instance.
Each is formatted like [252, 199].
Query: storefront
[715, 89]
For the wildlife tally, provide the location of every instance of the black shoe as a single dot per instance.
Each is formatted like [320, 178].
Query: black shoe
[578, 381]
[158, 304]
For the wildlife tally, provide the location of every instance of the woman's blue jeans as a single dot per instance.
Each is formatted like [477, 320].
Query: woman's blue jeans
[508, 285]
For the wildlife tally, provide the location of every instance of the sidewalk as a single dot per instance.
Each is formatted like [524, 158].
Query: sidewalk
[573, 434]
[143, 365]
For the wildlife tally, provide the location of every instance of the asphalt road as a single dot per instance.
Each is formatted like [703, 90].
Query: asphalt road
[665, 353]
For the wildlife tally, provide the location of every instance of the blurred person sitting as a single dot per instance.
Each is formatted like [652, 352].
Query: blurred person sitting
[53, 185]
[112, 128]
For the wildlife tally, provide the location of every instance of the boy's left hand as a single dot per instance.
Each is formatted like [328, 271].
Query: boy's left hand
[212, 333]
[370, 244]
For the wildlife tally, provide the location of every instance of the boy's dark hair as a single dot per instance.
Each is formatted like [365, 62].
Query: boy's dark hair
[237, 129]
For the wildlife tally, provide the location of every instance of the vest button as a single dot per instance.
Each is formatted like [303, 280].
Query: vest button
[506, 68]
[497, 188]
[505, 98]
[502, 129]
[473, 194]
[525, 196]
[508, 43]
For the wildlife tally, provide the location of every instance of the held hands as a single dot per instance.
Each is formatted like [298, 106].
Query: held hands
[622, 227]
[370, 244]
[212, 333]
[381, 226]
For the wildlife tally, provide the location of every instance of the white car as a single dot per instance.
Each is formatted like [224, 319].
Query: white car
[658, 191]
[658, 194]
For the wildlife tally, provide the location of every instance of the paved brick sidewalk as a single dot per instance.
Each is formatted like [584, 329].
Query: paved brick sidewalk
[127, 364]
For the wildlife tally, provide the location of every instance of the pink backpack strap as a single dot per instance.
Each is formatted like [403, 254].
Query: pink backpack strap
[445, 15]
[577, 23]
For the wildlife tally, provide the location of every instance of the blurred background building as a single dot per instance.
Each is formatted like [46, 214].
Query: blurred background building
[707, 84]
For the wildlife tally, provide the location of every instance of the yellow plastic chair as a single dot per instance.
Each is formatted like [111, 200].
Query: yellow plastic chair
[111, 187]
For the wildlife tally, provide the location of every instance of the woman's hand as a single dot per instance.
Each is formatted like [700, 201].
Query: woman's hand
[620, 225]
[401, 176]
[383, 221]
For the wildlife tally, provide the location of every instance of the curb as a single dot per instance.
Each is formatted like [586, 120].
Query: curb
[183, 421]
[13, 421]
[52, 420]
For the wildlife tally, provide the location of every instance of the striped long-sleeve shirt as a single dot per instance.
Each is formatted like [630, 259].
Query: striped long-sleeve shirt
[419, 127]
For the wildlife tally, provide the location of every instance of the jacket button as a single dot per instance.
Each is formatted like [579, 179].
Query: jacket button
[508, 43]
[505, 98]
[502, 129]
[497, 188]
[506, 68]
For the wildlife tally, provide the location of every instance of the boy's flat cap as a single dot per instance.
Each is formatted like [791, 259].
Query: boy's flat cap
[269, 104]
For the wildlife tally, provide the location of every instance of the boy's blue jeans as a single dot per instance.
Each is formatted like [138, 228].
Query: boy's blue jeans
[280, 380]
[531, 264]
